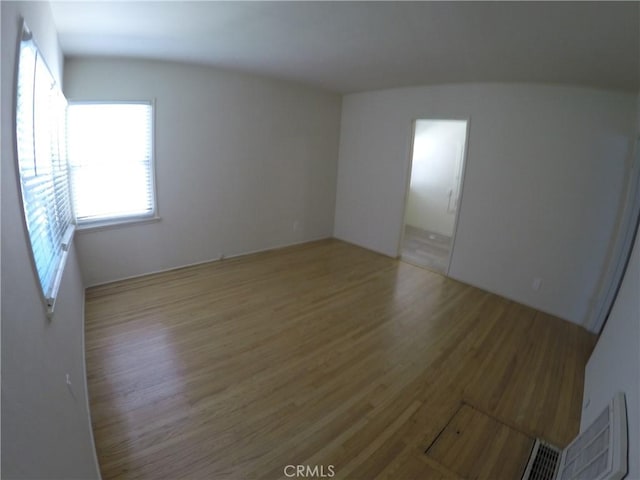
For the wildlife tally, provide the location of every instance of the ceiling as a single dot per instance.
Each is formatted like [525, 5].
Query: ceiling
[357, 46]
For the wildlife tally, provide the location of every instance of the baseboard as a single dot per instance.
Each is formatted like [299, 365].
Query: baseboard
[366, 247]
[86, 390]
[210, 260]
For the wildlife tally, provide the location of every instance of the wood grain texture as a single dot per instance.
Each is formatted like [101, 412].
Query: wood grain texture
[475, 445]
[320, 354]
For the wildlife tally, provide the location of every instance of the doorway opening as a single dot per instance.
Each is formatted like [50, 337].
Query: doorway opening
[434, 192]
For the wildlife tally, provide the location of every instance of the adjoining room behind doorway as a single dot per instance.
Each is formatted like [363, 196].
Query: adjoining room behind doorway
[434, 193]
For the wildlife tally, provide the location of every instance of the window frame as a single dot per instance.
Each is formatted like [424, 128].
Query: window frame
[125, 220]
[64, 224]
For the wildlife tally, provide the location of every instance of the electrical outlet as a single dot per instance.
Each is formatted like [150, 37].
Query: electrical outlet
[67, 378]
[536, 284]
[296, 226]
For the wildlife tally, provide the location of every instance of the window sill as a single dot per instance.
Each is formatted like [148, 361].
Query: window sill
[111, 224]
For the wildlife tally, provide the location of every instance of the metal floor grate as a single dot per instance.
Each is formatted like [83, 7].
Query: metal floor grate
[543, 463]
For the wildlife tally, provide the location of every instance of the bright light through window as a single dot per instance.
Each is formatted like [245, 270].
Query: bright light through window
[41, 161]
[110, 161]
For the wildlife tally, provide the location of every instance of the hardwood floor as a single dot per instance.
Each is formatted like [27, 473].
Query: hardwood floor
[323, 354]
[426, 249]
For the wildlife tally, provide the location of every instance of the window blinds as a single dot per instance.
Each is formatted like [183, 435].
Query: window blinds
[40, 110]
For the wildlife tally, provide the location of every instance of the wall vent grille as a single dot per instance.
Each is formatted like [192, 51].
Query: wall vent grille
[543, 463]
[598, 453]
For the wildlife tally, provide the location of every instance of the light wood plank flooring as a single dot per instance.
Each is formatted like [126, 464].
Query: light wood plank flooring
[323, 354]
[426, 249]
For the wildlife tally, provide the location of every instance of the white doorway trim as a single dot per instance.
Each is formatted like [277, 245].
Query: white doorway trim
[409, 171]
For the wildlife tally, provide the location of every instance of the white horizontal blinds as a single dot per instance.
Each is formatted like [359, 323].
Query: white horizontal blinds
[43, 172]
[59, 158]
[24, 109]
[110, 160]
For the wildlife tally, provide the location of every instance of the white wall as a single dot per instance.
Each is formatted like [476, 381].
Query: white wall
[544, 172]
[243, 163]
[46, 431]
[438, 147]
[615, 362]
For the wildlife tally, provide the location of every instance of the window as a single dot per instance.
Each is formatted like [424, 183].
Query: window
[42, 167]
[111, 162]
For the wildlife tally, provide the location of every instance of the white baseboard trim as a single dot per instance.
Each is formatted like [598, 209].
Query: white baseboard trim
[210, 260]
[86, 390]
